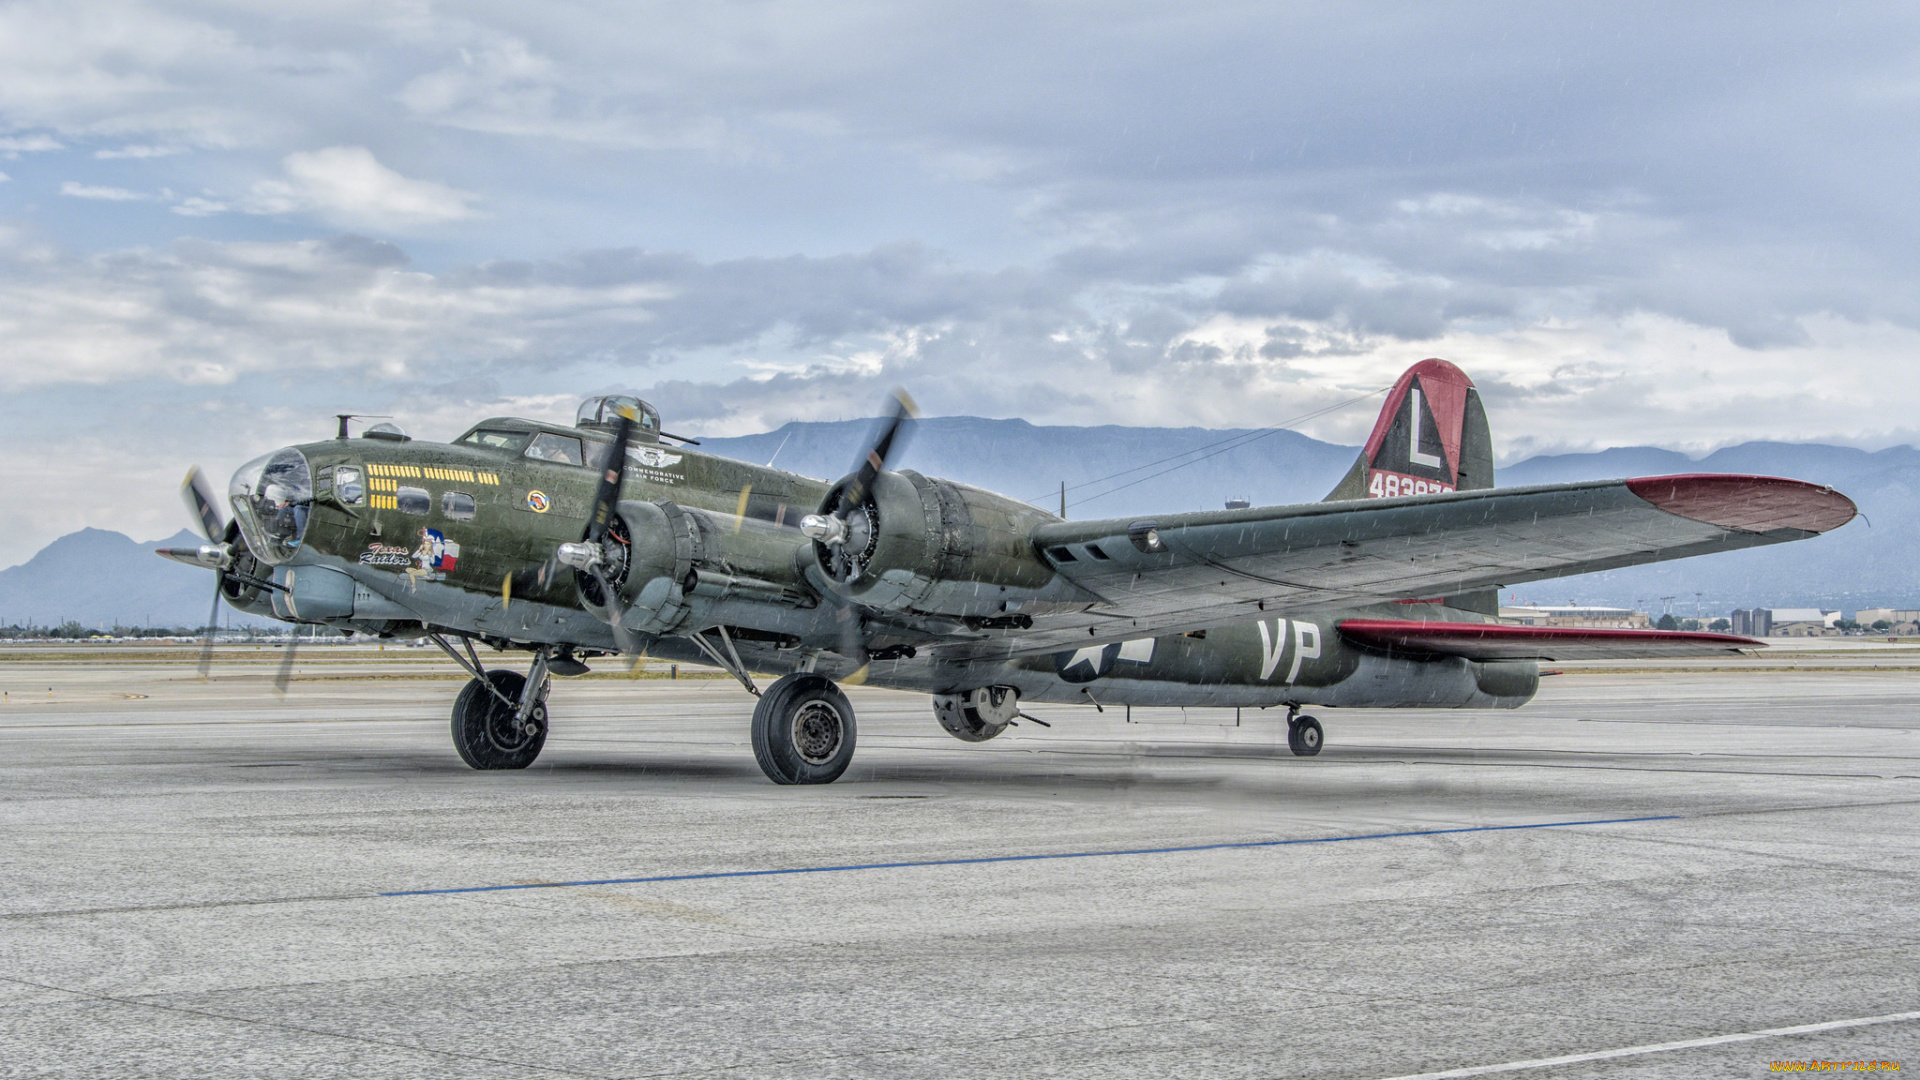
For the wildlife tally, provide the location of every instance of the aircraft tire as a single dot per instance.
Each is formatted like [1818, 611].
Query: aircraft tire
[483, 728]
[1304, 736]
[803, 730]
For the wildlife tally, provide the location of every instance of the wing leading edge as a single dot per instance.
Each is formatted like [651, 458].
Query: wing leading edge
[1189, 571]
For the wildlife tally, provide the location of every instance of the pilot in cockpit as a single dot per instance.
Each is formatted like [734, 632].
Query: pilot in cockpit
[285, 518]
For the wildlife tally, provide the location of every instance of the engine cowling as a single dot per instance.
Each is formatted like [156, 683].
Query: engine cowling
[931, 546]
[671, 555]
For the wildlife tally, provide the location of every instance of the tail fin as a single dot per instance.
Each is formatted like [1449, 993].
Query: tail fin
[1431, 438]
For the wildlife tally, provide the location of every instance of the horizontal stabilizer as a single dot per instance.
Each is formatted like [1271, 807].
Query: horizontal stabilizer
[1493, 641]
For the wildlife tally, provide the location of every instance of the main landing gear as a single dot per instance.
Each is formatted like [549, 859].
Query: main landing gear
[803, 730]
[500, 717]
[1303, 733]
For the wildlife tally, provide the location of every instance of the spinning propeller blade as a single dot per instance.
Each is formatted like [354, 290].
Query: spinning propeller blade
[604, 499]
[285, 673]
[213, 623]
[853, 642]
[198, 495]
[609, 490]
[889, 440]
[833, 528]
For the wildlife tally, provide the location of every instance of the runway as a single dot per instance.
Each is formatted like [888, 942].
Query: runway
[1658, 870]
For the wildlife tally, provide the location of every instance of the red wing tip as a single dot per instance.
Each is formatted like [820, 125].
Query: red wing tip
[1747, 503]
[1414, 630]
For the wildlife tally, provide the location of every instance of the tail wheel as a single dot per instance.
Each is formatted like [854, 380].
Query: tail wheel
[488, 733]
[1304, 736]
[803, 730]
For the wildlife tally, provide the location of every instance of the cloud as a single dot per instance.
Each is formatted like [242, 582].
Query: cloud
[138, 153]
[75, 190]
[196, 206]
[346, 186]
[13, 146]
[1674, 226]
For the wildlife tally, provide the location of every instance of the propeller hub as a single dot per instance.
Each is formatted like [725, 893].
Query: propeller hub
[585, 556]
[825, 528]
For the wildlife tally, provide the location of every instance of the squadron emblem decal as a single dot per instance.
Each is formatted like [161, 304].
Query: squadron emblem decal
[653, 457]
[538, 502]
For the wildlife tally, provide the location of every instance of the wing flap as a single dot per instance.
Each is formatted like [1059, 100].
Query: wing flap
[1494, 641]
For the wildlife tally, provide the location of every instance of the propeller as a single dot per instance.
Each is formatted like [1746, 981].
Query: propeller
[845, 527]
[285, 674]
[845, 523]
[215, 554]
[589, 556]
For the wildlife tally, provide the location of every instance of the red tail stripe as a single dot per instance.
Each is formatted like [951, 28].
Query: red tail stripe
[1445, 388]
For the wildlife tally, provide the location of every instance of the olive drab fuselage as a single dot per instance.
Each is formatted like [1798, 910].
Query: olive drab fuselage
[460, 537]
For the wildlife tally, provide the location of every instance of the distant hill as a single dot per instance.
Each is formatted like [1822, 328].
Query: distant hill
[1872, 562]
[1027, 462]
[100, 578]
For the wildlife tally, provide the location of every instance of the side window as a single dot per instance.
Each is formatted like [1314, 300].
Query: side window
[411, 500]
[457, 506]
[347, 487]
[547, 446]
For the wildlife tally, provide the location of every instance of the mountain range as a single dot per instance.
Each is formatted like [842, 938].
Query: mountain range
[101, 578]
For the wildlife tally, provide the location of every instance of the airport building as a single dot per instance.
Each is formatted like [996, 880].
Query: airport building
[1897, 620]
[1804, 622]
[1597, 618]
[1896, 616]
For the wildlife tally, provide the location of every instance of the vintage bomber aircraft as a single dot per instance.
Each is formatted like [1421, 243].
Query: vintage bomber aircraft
[613, 536]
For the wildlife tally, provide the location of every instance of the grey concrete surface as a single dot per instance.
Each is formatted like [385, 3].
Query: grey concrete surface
[194, 870]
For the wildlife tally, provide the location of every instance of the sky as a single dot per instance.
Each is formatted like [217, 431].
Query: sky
[1632, 224]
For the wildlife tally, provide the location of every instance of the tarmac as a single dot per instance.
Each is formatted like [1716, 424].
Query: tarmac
[1653, 870]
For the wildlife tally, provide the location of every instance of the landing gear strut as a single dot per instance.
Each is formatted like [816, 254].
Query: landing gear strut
[1303, 733]
[803, 730]
[500, 717]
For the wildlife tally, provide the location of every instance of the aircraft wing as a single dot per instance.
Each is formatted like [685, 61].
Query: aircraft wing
[1180, 572]
[1493, 641]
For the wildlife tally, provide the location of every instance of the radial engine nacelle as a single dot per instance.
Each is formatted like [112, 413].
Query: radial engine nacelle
[919, 544]
[679, 560]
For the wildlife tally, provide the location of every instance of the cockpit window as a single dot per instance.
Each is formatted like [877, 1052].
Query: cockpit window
[347, 487]
[603, 414]
[561, 448]
[510, 441]
[271, 497]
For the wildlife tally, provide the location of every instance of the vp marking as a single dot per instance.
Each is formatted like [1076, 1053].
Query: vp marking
[1273, 647]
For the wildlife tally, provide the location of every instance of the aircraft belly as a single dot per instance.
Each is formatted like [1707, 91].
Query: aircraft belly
[1275, 661]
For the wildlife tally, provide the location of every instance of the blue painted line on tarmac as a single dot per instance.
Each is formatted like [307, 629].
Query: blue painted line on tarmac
[715, 874]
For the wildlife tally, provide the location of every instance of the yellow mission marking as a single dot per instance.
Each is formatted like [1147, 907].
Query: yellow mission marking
[430, 472]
